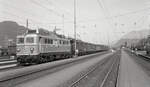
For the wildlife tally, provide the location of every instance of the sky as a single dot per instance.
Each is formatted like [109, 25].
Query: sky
[98, 21]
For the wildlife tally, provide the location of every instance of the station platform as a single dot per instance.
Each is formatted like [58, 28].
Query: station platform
[131, 74]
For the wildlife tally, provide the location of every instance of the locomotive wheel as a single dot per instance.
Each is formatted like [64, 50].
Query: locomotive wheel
[38, 60]
[51, 58]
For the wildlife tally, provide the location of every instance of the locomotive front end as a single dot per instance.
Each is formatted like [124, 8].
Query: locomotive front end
[27, 48]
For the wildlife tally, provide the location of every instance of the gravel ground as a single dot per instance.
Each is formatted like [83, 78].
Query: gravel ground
[58, 78]
[113, 77]
[28, 78]
[95, 78]
[91, 77]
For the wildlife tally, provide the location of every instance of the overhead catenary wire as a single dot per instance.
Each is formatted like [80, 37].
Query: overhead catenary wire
[79, 21]
[65, 12]
[26, 14]
[12, 6]
[111, 18]
[56, 23]
[96, 19]
[107, 15]
[22, 20]
[48, 9]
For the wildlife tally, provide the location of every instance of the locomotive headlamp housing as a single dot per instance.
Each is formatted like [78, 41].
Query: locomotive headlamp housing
[18, 50]
[31, 49]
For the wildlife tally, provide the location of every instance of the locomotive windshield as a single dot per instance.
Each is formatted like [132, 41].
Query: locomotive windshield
[29, 40]
[31, 31]
[20, 40]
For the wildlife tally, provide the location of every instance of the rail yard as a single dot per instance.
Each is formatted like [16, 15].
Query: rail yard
[74, 43]
[104, 69]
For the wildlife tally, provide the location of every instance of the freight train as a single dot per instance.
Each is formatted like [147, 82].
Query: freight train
[40, 46]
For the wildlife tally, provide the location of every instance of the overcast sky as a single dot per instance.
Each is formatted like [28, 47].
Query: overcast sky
[98, 21]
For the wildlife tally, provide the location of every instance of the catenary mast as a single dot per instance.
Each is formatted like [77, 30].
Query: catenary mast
[75, 26]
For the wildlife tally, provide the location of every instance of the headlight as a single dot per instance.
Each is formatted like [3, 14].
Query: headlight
[31, 49]
[18, 50]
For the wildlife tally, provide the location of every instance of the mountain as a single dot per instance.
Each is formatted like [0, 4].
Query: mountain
[9, 30]
[133, 37]
[137, 34]
[128, 41]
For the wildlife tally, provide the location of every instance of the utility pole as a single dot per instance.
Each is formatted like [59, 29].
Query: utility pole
[27, 25]
[63, 23]
[149, 31]
[108, 40]
[75, 45]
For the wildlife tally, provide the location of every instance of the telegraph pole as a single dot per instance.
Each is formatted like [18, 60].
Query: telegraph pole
[27, 25]
[75, 45]
[149, 31]
[108, 40]
[63, 23]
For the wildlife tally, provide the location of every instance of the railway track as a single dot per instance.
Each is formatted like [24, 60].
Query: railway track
[143, 61]
[107, 77]
[147, 58]
[7, 64]
[143, 56]
[4, 58]
[1, 60]
[16, 79]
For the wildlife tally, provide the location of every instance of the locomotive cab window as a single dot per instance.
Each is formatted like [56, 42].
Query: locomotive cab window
[49, 41]
[29, 40]
[46, 41]
[20, 40]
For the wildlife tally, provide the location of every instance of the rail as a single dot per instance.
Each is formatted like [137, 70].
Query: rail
[77, 82]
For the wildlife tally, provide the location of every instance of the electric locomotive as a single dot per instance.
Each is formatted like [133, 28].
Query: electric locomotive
[40, 46]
